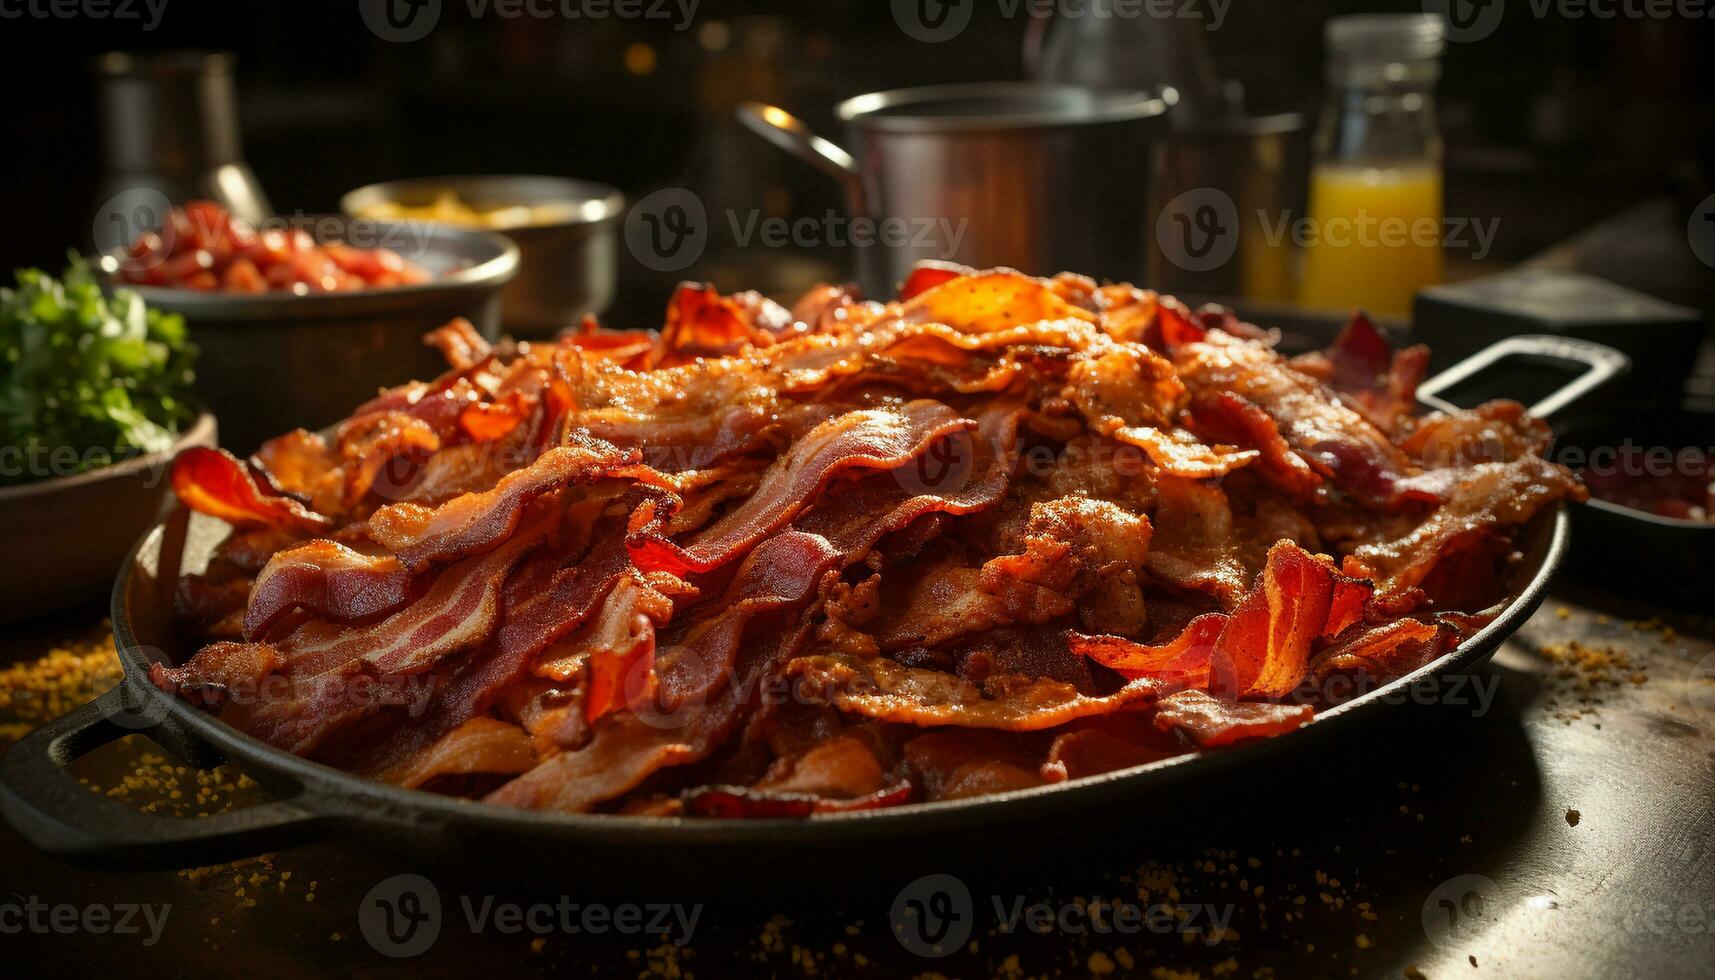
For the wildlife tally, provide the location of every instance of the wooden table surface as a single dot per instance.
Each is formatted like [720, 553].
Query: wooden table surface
[1552, 816]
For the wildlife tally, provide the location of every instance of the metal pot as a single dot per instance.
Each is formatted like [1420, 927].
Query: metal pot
[566, 267]
[1041, 178]
[1220, 184]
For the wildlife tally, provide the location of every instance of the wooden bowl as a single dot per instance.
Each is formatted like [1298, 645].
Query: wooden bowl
[66, 537]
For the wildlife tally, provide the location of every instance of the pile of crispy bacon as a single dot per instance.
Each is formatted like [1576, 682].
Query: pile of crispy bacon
[1000, 532]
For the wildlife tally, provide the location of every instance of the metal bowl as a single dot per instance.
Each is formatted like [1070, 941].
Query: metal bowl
[273, 361]
[71, 533]
[566, 268]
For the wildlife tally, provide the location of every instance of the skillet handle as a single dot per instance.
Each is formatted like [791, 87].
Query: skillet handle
[791, 134]
[52, 810]
[1600, 362]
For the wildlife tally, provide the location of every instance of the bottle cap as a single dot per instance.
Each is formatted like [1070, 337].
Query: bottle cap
[1366, 48]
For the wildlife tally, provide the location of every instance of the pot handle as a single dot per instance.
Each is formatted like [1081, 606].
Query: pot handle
[1600, 362]
[52, 810]
[790, 133]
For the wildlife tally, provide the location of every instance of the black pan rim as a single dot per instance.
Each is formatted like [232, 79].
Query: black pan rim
[326, 791]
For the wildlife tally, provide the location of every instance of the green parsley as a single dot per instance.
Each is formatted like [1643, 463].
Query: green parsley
[86, 378]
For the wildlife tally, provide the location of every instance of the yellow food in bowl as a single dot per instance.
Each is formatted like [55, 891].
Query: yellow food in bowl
[450, 208]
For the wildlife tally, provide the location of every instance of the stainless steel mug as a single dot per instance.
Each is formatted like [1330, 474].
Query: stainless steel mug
[1042, 178]
[168, 127]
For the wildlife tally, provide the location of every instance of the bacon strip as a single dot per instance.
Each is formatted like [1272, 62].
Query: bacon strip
[459, 343]
[992, 300]
[883, 689]
[1388, 650]
[218, 669]
[1181, 662]
[1212, 722]
[1481, 498]
[1264, 648]
[480, 745]
[1231, 418]
[214, 482]
[1362, 365]
[628, 746]
[329, 670]
[545, 598]
[476, 522]
[327, 579]
[1334, 440]
[864, 439]
[703, 323]
[928, 274]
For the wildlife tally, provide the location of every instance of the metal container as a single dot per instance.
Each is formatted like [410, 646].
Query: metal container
[1042, 178]
[274, 361]
[168, 125]
[1221, 208]
[566, 268]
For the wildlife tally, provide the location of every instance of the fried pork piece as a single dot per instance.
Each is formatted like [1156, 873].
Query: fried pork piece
[767, 562]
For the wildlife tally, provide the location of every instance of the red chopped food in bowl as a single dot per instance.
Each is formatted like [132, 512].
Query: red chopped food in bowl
[203, 247]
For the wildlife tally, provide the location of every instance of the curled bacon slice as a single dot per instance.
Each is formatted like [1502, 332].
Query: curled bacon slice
[459, 343]
[480, 745]
[703, 323]
[472, 523]
[883, 689]
[217, 670]
[214, 482]
[328, 579]
[1212, 721]
[1387, 650]
[1181, 662]
[1361, 364]
[1264, 647]
[1230, 418]
[992, 300]
[1336, 441]
[864, 439]
[1093, 751]
[928, 274]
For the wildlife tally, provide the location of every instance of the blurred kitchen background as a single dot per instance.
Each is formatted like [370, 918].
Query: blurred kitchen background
[1557, 127]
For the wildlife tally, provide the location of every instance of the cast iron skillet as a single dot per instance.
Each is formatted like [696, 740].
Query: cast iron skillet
[50, 808]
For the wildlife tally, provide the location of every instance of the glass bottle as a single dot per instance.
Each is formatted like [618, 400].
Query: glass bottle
[1374, 234]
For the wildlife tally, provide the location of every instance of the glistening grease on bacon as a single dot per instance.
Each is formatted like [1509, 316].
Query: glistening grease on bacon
[848, 555]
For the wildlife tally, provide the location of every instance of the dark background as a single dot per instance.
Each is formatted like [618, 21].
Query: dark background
[1551, 123]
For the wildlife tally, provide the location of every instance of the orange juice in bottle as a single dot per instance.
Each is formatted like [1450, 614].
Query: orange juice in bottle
[1373, 237]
